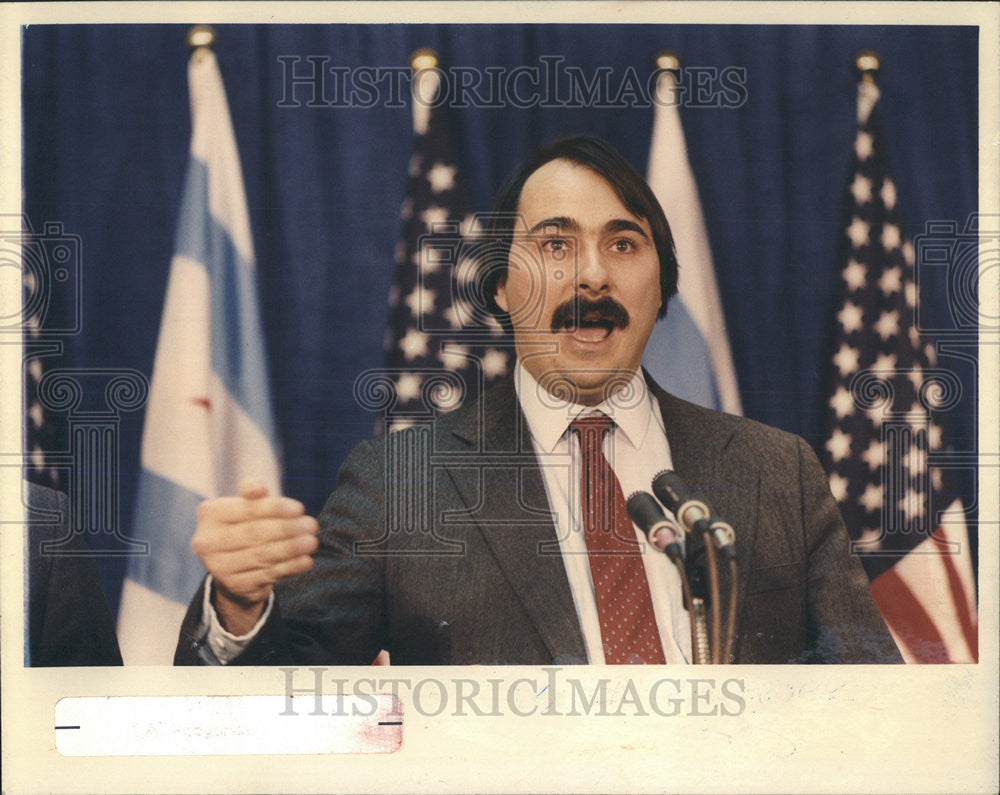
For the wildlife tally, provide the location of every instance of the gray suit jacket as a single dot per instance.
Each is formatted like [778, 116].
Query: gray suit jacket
[69, 622]
[438, 545]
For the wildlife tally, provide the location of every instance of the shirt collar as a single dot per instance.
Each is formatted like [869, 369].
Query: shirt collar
[548, 416]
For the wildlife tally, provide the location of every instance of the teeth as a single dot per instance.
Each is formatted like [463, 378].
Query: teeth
[589, 333]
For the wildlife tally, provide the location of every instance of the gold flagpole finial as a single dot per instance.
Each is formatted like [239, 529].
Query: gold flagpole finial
[667, 59]
[867, 63]
[423, 58]
[201, 36]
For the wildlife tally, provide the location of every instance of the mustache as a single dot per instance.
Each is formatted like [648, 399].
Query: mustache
[572, 312]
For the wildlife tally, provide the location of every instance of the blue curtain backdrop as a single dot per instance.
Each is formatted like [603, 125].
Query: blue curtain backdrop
[106, 126]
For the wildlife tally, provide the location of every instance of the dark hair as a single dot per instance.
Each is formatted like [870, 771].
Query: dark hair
[603, 159]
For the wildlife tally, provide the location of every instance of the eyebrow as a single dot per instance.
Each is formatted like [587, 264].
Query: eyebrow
[624, 225]
[564, 223]
[559, 222]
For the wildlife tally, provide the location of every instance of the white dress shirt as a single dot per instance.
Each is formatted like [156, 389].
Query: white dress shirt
[637, 449]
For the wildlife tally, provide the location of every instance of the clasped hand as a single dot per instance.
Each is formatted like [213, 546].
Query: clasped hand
[248, 543]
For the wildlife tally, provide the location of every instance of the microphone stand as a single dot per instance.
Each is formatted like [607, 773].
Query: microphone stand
[704, 603]
[708, 539]
[698, 598]
[723, 537]
[722, 646]
[733, 603]
[714, 603]
[701, 652]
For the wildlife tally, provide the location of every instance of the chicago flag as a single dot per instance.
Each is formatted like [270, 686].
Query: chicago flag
[208, 421]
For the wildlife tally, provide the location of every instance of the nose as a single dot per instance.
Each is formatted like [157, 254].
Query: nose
[593, 275]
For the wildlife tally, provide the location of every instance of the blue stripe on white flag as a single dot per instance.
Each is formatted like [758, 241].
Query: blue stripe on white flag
[238, 353]
[171, 568]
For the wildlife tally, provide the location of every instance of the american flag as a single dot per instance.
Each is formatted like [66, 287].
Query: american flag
[442, 346]
[41, 432]
[885, 452]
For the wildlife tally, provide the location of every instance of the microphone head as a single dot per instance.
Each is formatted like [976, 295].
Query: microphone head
[644, 510]
[691, 512]
[669, 489]
[724, 538]
[663, 533]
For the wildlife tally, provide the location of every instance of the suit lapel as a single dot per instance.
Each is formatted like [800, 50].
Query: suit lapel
[702, 449]
[519, 528]
[517, 524]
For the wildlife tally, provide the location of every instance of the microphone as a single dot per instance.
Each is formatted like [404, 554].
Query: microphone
[662, 532]
[694, 515]
[665, 534]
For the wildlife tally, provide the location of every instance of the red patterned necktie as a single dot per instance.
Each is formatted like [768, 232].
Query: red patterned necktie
[624, 607]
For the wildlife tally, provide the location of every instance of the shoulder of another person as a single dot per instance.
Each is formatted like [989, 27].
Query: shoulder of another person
[47, 514]
[41, 498]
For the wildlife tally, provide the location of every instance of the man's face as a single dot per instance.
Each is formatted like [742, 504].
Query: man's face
[583, 287]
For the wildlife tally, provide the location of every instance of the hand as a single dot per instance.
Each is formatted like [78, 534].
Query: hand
[248, 543]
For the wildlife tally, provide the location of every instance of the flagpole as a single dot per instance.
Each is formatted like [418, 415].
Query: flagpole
[201, 36]
[424, 63]
[867, 63]
[423, 58]
[667, 60]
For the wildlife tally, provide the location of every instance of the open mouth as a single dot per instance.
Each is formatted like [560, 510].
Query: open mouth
[593, 327]
[587, 321]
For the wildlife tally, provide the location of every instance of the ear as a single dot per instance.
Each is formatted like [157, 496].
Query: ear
[501, 295]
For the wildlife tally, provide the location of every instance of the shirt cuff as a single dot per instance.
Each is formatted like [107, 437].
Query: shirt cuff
[223, 645]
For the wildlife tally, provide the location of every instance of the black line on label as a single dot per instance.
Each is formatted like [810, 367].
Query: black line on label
[66, 727]
[390, 723]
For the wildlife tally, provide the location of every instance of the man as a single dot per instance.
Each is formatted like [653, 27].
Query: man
[515, 564]
[69, 622]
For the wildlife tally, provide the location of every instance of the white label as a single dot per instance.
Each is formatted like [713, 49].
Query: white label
[206, 725]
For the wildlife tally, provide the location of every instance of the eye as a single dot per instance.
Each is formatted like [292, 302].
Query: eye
[555, 244]
[623, 245]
